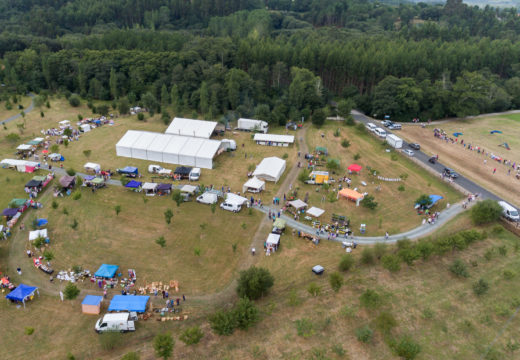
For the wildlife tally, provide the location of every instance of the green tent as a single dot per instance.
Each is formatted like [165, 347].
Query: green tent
[97, 180]
[39, 178]
[321, 149]
[279, 224]
[16, 203]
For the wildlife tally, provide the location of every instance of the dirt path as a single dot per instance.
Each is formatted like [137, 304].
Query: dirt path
[26, 110]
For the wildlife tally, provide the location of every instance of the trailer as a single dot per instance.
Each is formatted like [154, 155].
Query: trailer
[394, 141]
[252, 125]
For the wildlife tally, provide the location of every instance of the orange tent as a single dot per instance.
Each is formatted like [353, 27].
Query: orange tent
[352, 195]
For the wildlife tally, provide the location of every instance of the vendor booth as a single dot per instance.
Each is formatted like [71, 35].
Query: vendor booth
[297, 204]
[278, 226]
[34, 184]
[91, 304]
[320, 150]
[24, 148]
[22, 293]
[135, 303]
[270, 169]
[253, 185]
[129, 171]
[84, 128]
[106, 271]
[316, 212]
[272, 242]
[64, 124]
[164, 189]
[150, 188]
[351, 195]
[36, 141]
[92, 167]
[134, 185]
[235, 199]
[68, 181]
[33, 235]
[10, 212]
[56, 157]
[182, 172]
[354, 168]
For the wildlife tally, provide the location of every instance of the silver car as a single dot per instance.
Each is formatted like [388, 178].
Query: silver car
[408, 152]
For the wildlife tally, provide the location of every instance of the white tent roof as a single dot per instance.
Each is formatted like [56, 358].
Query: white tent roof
[188, 153]
[24, 147]
[274, 138]
[38, 139]
[254, 183]
[190, 127]
[273, 239]
[270, 169]
[235, 199]
[208, 149]
[124, 145]
[149, 186]
[189, 189]
[297, 204]
[64, 122]
[172, 150]
[92, 166]
[33, 235]
[316, 212]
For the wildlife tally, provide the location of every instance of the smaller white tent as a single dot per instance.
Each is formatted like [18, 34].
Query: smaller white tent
[235, 199]
[270, 169]
[254, 185]
[273, 239]
[24, 147]
[190, 189]
[33, 235]
[297, 204]
[85, 127]
[316, 212]
[64, 124]
[149, 188]
[92, 167]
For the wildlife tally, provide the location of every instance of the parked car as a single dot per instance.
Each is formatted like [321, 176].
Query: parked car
[230, 206]
[415, 146]
[433, 159]
[395, 126]
[292, 125]
[450, 173]
[371, 126]
[408, 152]
[387, 123]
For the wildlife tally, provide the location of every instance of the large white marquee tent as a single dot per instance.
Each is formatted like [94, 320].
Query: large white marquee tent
[270, 169]
[190, 127]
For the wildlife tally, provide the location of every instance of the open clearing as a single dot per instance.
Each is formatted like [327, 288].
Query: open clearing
[469, 163]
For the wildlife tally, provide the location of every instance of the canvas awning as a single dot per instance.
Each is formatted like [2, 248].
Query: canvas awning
[254, 183]
[21, 293]
[133, 184]
[316, 212]
[235, 199]
[279, 224]
[33, 183]
[92, 166]
[128, 170]
[190, 189]
[273, 239]
[148, 186]
[297, 204]
[355, 168]
[182, 170]
[33, 235]
[164, 187]
[67, 180]
[17, 203]
[92, 300]
[107, 271]
[24, 147]
[351, 194]
[97, 180]
[135, 303]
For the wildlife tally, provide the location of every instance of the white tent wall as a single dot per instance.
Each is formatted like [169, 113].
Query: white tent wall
[171, 151]
[191, 127]
[188, 154]
[141, 144]
[155, 151]
[206, 153]
[124, 145]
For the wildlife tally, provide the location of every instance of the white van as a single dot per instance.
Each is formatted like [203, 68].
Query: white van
[509, 212]
[380, 132]
[371, 126]
[231, 206]
[194, 174]
[157, 169]
[207, 198]
[121, 322]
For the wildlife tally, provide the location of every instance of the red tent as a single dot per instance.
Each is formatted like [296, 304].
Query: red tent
[355, 167]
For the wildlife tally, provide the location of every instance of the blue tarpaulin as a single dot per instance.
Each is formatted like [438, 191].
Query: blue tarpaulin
[107, 271]
[92, 300]
[128, 170]
[21, 292]
[495, 132]
[42, 222]
[135, 303]
[133, 184]
[435, 198]
[457, 134]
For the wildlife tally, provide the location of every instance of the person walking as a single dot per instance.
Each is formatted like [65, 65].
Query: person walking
[183, 297]
[386, 235]
[253, 251]
[494, 170]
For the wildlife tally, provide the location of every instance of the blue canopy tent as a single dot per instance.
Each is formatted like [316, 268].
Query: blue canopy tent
[21, 293]
[495, 132]
[135, 303]
[433, 198]
[107, 271]
[128, 170]
[133, 184]
[42, 222]
[89, 177]
[457, 134]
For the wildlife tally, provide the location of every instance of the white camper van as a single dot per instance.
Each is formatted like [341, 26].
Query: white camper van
[121, 322]
[380, 132]
[252, 125]
[194, 174]
[509, 212]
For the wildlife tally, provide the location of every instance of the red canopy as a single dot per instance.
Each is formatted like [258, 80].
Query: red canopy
[355, 167]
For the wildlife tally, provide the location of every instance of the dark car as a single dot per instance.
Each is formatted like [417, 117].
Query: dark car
[450, 173]
[433, 159]
[395, 126]
[292, 125]
[415, 146]
[387, 123]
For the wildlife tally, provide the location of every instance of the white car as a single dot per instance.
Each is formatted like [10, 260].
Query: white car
[408, 152]
[231, 206]
[207, 198]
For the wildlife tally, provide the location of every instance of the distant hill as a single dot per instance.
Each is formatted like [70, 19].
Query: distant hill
[480, 3]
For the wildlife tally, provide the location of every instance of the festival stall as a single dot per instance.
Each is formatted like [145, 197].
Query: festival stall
[253, 185]
[137, 303]
[149, 188]
[270, 169]
[129, 171]
[93, 167]
[42, 233]
[56, 157]
[134, 185]
[278, 226]
[164, 189]
[297, 204]
[182, 172]
[64, 124]
[354, 168]
[91, 304]
[106, 271]
[272, 243]
[22, 293]
[316, 212]
[68, 181]
[351, 195]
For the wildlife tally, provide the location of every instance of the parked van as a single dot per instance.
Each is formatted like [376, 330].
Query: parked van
[229, 206]
[509, 212]
[228, 144]
[380, 132]
[371, 126]
[194, 174]
[157, 169]
[121, 322]
[207, 198]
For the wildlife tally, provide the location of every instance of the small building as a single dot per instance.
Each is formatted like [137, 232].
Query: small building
[270, 169]
[274, 139]
[91, 304]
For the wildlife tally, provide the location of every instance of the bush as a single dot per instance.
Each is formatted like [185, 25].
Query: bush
[285, 156]
[102, 110]
[485, 212]
[304, 175]
[385, 322]
[110, 340]
[425, 248]
[123, 106]
[161, 241]
[368, 202]
[246, 314]
[401, 188]
[391, 262]
[508, 274]
[345, 143]
[407, 348]
[370, 299]
[74, 101]
[367, 256]
[380, 249]
[74, 224]
[76, 195]
[394, 157]
[71, 172]
[361, 128]
[336, 281]
[409, 255]
[177, 197]
[304, 327]
[314, 289]
[163, 345]
[131, 356]
[168, 214]
[318, 117]
[54, 204]
[71, 291]
[346, 262]
[48, 255]
[357, 156]
[459, 268]
[364, 334]
[140, 116]
[29, 330]
[254, 283]
[480, 287]
[337, 133]
[191, 336]
[223, 322]
[349, 121]
[117, 209]
[12, 137]
[502, 250]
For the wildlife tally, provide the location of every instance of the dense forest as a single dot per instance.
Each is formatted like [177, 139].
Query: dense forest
[272, 59]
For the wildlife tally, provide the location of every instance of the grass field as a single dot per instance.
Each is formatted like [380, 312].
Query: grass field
[471, 164]
[4, 113]
[395, 212]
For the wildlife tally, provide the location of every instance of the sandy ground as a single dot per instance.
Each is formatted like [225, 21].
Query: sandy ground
[475, 166]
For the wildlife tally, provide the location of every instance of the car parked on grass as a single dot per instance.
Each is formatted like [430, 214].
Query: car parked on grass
[230, 206]
[415, 146]
[395, 126]
[450, 173]
[387, 123]
[408, 152]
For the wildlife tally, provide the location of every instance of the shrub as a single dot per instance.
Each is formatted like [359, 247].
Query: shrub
[407, 348]
[485, 212]
[349, 121]
[368, 202]
[102, 110]
[428, 313]
[314, 289]
[425, 248]
[318, 117]
[74, 224]
[294, 299]
[131, 356]
[246, 314]
[385, 322]
[285, 156]
[332, 164]
[502, 250]
[48, 255]
[117, 209]
[370, 299]
[391, 262]
[191, 335]
[357, 156]
[12, 137]
[394, 157]
[480, 287]
[346, 262]
[459, 268]
[508, 274]
[304, 175]
[71, 291]
[213, 208]
[110, 340]
[361, 128]
[223, 322]
[196, 251]
[364, 334]
[409, 255]
[29, 330]
[367, 256]
[254, 282]
[336, 281]
[87, 153]
[380, 249]
[401, 188]
[304, 327]
[163, 345]
[39, 242]
[161, 241]
[54, 204]
[71, 172]
[55, 148]
[76, 195]
[337, 133]
[140, 116]
[168, 214]
[345, 143]
[74, 101]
